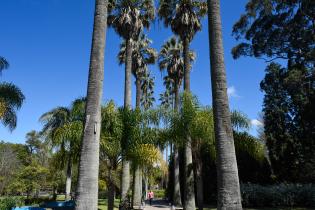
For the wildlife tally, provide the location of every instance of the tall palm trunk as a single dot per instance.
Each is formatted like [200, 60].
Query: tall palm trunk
[87, 189]
[189, 174]
[138, 92]
[137, 183]
[197, 159]
[68, 179]
[229, 196]
[176, 191]
[125, 179]
[111, 190]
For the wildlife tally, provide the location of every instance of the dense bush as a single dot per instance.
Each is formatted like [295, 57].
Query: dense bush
[288, 195]
[159, 193]
[10, 202]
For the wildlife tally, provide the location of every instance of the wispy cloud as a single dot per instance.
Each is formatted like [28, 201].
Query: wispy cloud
[256, 123]
[232, 93]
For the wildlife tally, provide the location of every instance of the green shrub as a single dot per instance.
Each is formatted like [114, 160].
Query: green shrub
[159, 193]
[289, 195]
[10, 202]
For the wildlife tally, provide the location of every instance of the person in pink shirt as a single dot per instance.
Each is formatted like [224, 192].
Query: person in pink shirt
[151, 196]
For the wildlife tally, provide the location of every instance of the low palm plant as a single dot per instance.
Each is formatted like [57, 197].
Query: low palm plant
[63, 128]
[11, 99]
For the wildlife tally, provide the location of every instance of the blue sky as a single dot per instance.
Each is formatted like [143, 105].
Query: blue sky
[48, 45]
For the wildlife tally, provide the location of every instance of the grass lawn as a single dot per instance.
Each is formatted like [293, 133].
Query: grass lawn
[102, 204]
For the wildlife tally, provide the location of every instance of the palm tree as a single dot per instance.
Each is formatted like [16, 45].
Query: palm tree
[11, 99]
[63, 131]
[4, 64]
[171, 60]
[111, 135]
[128, 18]
[229, 196]
[184, 18]
[87, 189]
[142, 56]
[147, 86]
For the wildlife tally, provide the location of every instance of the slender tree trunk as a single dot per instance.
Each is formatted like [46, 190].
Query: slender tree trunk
[125, 179]
[138, 92]
[68, 179]
[198, 174]
[111, 191]
[54, 193]
[136, 199]
[177, 201]
[189, 174]
[87, 190]
[137, 183]
[229, 196]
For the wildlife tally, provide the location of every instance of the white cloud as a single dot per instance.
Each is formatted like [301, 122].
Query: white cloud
[256, 123]
[232, 93]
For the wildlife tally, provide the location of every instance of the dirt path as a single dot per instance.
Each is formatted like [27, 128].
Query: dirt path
[157, 205]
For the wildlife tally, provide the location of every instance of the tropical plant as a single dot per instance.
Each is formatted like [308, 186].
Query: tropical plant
[110, 149]
[128, 18]
[63, 128]
[4, 64]
[184, 17]
[142, 56]
[87, 190]
[229, 196]
[171, 60]
[11, 99]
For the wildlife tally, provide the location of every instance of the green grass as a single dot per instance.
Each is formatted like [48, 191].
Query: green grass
[102, 204]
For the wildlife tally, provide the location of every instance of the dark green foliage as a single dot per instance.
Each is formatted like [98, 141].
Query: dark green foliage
[253, 165]
[284, 195]
[12, 98]
[284, 30]
[289, 122]
[277, 29]
[10, 202]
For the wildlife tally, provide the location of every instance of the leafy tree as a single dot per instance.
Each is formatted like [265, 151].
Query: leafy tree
[87, 190]
[9, 163]
[229, 196]
[283, 30]
[29, 179]
[277, 29]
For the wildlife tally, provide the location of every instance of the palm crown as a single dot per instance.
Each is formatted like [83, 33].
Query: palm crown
[129, 17]
[142, 55]
[183, 16]
[171, 59]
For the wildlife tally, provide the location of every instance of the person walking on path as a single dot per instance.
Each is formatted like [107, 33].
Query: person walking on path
[151, 196]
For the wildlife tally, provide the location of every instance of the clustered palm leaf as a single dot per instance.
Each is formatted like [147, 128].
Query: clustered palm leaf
[129, 17]
[171, 59]
[183, 16]
[142, 55]
[147, 88]
[11, 99]
[63, 129]
[4, 64]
